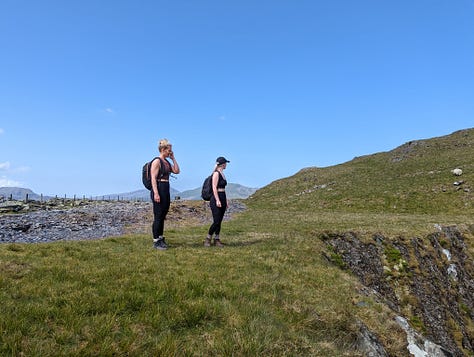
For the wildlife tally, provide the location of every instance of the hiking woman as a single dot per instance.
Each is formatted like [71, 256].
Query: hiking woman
[218, 201]
[160, 192]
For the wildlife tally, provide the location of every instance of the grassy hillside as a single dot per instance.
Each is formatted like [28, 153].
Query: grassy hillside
[413, 179]
[271, 291]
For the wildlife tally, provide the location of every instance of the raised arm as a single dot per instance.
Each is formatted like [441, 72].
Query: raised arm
[175, 166]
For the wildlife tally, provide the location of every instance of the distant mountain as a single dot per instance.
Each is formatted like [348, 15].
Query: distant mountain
[141, 195]
[19, 193]
[233, 190]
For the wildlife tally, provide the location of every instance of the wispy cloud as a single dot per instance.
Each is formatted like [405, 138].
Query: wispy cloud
[8, 168]
[1, 131]
[5, 182]
[222, 118]
[109, 111]
[4, 166]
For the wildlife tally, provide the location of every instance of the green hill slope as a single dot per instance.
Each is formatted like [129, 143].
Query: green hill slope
[305, 271]
[413, 178]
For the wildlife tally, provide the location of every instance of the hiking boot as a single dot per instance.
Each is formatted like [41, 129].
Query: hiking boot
[160, 244]
[217, 243]
[207, 242]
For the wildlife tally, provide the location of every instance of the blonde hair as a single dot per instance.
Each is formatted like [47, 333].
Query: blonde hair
[163, 144]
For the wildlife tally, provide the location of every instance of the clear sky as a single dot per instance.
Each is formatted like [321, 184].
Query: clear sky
[88, 87]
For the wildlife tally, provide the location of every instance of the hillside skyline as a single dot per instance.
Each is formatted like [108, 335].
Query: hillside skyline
[233, 191]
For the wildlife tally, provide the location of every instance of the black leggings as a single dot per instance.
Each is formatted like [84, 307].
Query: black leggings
[160, 210]
[217, 213]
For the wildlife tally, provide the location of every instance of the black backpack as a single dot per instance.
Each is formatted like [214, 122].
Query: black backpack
[206, 191]
[146, 173]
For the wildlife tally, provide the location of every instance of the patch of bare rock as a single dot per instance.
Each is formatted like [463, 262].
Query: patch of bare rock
[86, 220]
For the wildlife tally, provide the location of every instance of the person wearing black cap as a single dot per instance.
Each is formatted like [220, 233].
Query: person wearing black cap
[218, 202]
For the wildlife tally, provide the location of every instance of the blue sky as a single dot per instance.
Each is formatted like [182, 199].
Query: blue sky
[87, 88]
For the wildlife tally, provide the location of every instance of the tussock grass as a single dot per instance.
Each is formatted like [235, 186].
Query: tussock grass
[266, 293]
[270, 291]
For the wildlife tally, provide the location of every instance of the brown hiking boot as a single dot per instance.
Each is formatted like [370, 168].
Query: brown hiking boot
[207, 242]
[217, 243]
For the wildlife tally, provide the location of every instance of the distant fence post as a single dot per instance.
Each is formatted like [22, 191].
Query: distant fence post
[26, 198]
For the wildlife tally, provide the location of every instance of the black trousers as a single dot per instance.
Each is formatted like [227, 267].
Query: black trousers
[160, 210]
[217, 213]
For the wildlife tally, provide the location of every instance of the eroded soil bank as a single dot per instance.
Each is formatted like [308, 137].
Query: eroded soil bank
[427, 280]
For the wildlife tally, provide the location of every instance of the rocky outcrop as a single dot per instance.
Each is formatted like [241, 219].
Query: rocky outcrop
[430, 281]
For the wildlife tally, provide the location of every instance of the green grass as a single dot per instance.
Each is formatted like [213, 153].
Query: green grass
[415, 178]
[266, 293]
[270, 291]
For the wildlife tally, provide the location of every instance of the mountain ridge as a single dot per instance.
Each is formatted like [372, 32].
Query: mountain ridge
[234, 191]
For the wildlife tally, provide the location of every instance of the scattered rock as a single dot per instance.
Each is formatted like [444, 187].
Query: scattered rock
[368, 343]
[100, 219]
[419, 346]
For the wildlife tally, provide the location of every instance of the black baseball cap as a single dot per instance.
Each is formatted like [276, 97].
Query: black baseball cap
[222, 160]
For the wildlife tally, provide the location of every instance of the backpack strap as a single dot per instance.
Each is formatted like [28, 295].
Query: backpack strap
[160, 174]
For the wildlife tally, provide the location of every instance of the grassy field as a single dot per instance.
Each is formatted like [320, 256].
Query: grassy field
[269, 292]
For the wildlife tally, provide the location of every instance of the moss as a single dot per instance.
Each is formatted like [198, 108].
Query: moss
[337, 260]
[444, 243]
[417, 323]
[465, 309]
[393, 255]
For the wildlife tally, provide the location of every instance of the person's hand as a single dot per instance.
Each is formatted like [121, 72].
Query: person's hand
[218, 204]
[157, 198]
